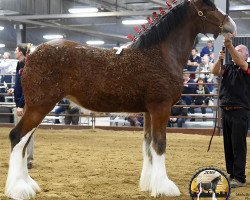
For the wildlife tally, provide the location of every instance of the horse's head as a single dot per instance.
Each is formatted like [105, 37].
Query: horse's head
[211, 19]
[216, 179]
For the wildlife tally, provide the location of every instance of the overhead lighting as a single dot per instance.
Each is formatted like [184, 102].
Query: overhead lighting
[2, 45]
[134, 21]
[95, 42]
[205, 39]
[51, 37]
[82, 10]
[1, 28]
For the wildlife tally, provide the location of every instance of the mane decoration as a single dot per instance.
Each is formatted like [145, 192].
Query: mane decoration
[159, 25]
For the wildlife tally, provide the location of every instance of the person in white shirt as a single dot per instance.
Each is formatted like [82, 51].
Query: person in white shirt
[6, 71]
[204, 70]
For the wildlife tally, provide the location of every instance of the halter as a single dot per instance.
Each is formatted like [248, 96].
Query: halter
[204, 18]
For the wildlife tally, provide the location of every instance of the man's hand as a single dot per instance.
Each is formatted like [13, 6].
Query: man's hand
[10, 91]
[228, 40]
[19, 112]
[221, 55]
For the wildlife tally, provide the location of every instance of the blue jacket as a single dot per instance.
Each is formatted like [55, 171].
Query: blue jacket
[207, 51]
[18, 91]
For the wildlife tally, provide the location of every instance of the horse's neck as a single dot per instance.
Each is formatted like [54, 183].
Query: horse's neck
[177, 47]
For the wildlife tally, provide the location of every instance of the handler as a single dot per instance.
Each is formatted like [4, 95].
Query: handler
[235, 103]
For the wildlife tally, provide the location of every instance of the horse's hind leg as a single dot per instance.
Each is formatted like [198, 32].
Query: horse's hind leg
[160, 184]
[147, 157]
[19, 184]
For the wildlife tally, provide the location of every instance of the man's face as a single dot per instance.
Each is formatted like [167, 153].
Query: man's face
[193, 52]
[205, 60]
[209, 45]
[186, 77]
[18, 53]
[242, 51]
[5, 56]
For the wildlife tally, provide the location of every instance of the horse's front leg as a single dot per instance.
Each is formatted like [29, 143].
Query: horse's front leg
[19, 184]
[214, 195]
[147, 157]
[200, 191]
[160, 184]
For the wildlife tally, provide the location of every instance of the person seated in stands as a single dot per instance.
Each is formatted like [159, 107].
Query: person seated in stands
[200, 100]
[133, 119]
[207, 49]
[178, 111]
[211, 57]
[193, 62]
[188, 88]
[140, 118]
[5, 71]
[73, 114]
[62, 106]
[71, 110]
[2, 98]
[204, 72]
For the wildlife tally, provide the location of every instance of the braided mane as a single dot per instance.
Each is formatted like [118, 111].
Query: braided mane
[162, 28]
[165, 25]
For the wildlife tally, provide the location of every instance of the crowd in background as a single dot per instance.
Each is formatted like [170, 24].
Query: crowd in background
[197, 79]
[196, 70]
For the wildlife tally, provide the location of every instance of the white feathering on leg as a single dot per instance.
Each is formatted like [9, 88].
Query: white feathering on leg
[160, 184]
[19, 184]
[146, 170]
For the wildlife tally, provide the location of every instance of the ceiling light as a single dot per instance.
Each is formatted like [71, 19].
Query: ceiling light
[2, 45]
[95, 42]
[1, 28]
[82, 10]
[134, 21]
[205, 39]
[51, 37]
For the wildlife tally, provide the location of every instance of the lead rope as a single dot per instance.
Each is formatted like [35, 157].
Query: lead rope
[217, 106]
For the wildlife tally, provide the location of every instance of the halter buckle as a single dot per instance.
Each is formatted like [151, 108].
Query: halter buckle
[200, 13]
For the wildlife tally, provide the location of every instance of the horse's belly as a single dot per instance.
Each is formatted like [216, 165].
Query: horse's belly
[113, 104]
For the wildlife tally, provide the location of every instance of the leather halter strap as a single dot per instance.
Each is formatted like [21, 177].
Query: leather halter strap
[204, 18]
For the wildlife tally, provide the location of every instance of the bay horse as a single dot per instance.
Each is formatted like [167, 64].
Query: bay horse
[146, 77]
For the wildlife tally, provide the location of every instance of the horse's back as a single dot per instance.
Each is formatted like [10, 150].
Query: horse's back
[98, 78]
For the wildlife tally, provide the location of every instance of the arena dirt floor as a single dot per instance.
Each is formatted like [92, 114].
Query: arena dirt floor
[101, 164]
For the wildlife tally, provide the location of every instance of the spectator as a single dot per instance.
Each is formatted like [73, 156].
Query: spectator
[188, 88]
[140, 119]
[207, 49]
[5, 71]
[204, 72]
[178, 111]
[193, 62]
[62, 107]
[133, 119]
[70, 109]
[211, 57]
[200, 100]
[73, 114]
[2, 98]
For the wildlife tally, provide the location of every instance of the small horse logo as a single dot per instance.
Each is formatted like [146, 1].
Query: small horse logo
[209, 183]
[209, 186]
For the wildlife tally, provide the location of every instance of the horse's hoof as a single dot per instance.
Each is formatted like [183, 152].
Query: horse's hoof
[165, 187]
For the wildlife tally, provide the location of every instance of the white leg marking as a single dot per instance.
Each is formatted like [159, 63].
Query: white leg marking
[146, 170]
[19, 184]
[160, 184]
[214, 196]
[200, 191]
